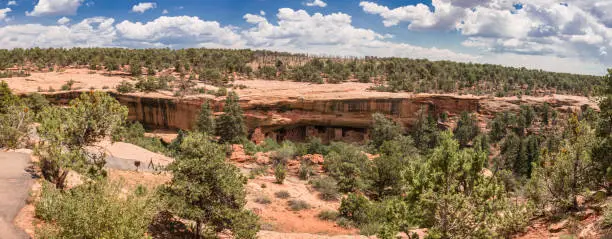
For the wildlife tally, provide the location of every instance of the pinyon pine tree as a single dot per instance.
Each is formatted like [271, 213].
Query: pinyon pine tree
[208, 190]
[230, 125]
[68, 131]
[205, 123]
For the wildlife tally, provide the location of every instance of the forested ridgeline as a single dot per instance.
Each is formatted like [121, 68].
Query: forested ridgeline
[217, 66]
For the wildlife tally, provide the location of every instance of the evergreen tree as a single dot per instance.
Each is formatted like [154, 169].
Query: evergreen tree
[454, 198]
[564, 174]
[395, 155]
[7, 98]
[205, 122]
[68, 131]
[230, 125]
[349, 166]
[601, 152]
[208, 190]
[466, 129]
[15, 118]
[425, 131]
[383, 129]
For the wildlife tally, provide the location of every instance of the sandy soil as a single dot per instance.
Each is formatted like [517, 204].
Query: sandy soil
[82, 79]
[131, 179]
[277, 215]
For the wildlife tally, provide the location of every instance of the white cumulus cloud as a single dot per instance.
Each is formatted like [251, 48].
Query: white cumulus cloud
[143, 7]
[63, 21]
[180, 31]
[91, 32]
[298, 31]
[3, 13]
[574, 28]
[316, 3]
[55, 7]
[12, 3]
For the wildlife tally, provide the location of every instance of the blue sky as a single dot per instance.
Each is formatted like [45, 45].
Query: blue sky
[569, 36]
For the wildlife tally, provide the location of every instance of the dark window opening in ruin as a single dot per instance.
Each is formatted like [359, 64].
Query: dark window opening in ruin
[302, 133]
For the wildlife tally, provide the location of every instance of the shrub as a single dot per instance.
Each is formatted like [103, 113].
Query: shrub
[283, 194]
[356, 208]
[297, 205]
[344, 222]
[261, 170]
[68, 85]
[284, 153]
[349, 166]
[133, 133]
[36, 102]
[151, 84]
[327, 186]
[125, 87]
[269, 144]
[306, 170]
[263, 200]
[369, 229]
[316, 146]
[607, 218]
[328, 215]
[221, 92]
[280, 172]
[93, 211]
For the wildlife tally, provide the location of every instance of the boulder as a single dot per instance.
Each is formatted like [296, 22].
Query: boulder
[262, 158]
[314, 158]
[557, 227]
[238, 154]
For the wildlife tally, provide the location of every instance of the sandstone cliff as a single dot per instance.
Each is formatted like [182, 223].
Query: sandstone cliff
[342, 118]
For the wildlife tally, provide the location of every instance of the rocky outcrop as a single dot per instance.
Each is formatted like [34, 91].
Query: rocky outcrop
[296, 118]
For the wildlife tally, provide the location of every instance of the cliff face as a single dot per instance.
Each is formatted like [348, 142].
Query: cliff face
[331, 119]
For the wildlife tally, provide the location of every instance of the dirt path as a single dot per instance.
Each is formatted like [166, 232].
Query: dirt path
[15, 184]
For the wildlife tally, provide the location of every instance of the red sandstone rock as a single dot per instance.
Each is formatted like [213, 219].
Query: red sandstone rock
[329, 111]
[262, 158]
[293, 165]
[371, 156]
[314, 158]
[258, 137]
[238, 154]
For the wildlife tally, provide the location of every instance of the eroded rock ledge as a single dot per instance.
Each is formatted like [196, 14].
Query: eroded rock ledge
[296, 118]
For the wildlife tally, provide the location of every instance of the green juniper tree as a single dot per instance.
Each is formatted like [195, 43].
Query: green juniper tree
[467, 129]
[205, 122]
[208, 190]
[15, 118]
[66, 132]
[230, 125]
[455, 199]
[563, 175]
[383, 129]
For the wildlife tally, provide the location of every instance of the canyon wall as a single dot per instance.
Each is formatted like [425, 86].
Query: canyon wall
[296, 118]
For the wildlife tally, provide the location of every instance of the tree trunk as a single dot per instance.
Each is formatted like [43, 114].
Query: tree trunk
[197, 230]
[60, 182]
